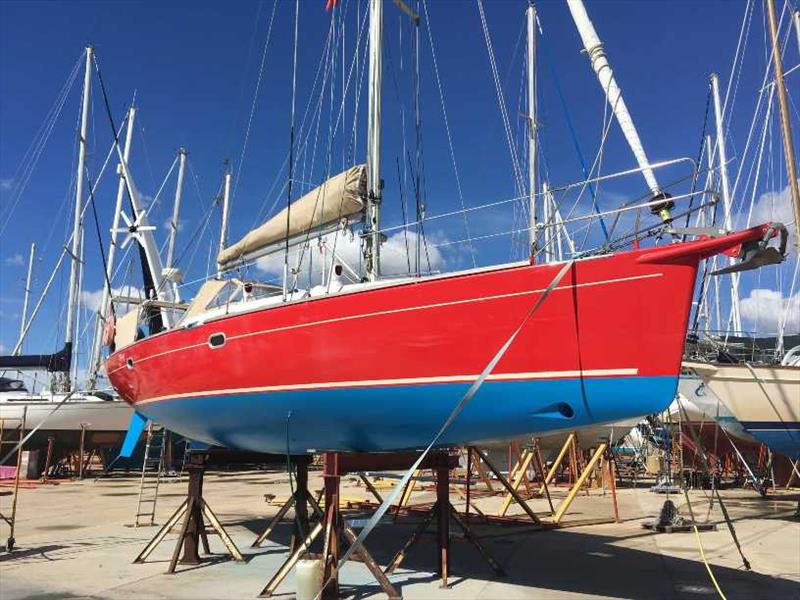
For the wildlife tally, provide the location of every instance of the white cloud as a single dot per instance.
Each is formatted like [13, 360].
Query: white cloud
[6, 183]
[15, 260]
[766, 309]
[91, 300]
[2, 348]
[776, 206]
[394, 258]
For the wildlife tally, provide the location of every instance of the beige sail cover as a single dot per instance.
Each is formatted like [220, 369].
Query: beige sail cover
[339, 197]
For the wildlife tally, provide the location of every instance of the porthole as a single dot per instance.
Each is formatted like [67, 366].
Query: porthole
[129, 363]
[216, 340]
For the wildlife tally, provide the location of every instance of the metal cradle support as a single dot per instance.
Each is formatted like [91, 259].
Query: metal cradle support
[334, 528]
[194, 510]
[301, 500]
[443, 511]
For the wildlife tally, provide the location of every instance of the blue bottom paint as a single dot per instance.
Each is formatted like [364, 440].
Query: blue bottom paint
[374, 419]
[783, 438]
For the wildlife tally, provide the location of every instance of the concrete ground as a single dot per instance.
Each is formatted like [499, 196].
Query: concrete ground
[74, 541]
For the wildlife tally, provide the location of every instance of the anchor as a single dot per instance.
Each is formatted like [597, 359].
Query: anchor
[757, 253]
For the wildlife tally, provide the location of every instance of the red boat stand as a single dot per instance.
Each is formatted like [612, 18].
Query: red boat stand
[193, 531]
[334, 527]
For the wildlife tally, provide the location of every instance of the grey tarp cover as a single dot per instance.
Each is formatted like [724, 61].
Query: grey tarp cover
[339, 197]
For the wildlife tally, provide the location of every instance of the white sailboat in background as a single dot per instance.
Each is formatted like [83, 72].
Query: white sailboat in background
[763, 397]
[63, 411]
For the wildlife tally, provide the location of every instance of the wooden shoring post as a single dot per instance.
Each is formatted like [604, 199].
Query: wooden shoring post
[80, 451]
[573, 459]
[49, 458]
[504, 482]
[576, 487]
[557, 463]
[537, 452]
[482, 473]
[513, 472]
[520, 474]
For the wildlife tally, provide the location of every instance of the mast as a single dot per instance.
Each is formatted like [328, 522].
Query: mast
[105, 298]
[72, 305]
[726, 195]
[373, 233]
[226, 196]
[605, 75]
[532, 166]
[783, 104]
[173, 224]
[27, 295]
[723, 155]
[547, 218]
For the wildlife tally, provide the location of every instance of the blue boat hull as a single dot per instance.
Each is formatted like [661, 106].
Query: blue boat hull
[783, 438]
[373, 419]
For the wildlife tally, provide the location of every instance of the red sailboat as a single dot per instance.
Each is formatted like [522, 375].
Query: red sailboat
[381, 364]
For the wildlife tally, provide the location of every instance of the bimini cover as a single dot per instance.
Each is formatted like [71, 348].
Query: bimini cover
[339, 197]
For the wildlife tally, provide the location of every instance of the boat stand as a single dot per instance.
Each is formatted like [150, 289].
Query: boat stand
[511, 491]
[193, 531]
[519, 475]
[334, 466]
[301, 500]
[443, 511]
[603, 452]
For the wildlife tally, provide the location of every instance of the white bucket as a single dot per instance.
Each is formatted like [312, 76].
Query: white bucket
[308, 577]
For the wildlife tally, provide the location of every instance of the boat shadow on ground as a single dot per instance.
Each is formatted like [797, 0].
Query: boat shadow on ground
[558, 561]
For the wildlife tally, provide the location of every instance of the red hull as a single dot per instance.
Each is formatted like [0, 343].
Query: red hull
[616, 316]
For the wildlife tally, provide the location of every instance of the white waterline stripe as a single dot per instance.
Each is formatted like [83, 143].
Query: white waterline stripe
[405, 381]
[394, 311]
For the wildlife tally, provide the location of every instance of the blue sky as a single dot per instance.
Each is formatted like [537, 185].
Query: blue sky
[194, 66]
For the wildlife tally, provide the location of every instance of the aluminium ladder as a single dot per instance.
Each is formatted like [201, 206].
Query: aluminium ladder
[152, 468]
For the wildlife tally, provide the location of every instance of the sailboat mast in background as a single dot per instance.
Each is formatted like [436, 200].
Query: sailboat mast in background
[783, 104]
[72, 304]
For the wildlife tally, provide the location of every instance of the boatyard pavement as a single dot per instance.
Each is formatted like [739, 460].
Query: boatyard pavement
[74, 540]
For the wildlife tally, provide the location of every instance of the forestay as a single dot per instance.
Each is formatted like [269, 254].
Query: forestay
[337, 198]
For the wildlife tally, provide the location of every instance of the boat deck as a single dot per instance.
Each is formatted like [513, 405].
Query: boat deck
[73, 542]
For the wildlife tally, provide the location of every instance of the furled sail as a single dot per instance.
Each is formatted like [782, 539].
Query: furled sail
[338, 198]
